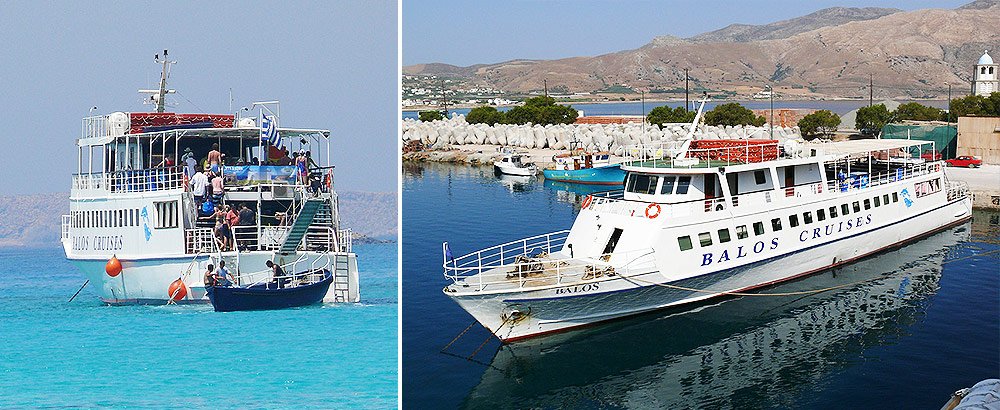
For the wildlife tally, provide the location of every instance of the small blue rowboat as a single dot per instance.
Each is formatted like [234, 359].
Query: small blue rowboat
[603, 175]
[269, 295]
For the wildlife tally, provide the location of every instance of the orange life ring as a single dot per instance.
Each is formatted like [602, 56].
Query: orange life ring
[587, 201]
[653, 215]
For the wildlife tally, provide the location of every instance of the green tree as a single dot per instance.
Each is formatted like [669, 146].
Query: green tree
[819, 122]
[540, 101]
[557, 114]
[484, 115]
[872, 119]
[433, 115]
[541, 110]
[976, 105]
[664, 115]
[733, 114]
[917, 112]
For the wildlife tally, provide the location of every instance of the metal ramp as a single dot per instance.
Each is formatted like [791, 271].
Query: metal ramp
[298, 231]
[341, 278]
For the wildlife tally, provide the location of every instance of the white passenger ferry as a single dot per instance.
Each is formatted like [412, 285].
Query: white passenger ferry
[140, 235]
[702, 219]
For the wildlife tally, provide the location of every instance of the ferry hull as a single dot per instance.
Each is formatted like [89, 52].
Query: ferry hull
[146, 281]
[606, 175]
[558, 309]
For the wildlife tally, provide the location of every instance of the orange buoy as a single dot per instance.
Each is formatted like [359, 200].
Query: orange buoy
[587, 201]
[113, 267]
[177, 290]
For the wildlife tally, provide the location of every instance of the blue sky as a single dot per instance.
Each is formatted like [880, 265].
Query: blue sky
[473, 32]
[332, 65]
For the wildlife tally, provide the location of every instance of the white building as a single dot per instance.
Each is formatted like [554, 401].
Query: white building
[984, 76]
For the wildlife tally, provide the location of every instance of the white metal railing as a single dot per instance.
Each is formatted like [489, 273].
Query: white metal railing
[200, 240]
[346, 240]
[94, 126]
[613, 202]
[957, 189]
[660, 154]
[67, 220]
[144, 180]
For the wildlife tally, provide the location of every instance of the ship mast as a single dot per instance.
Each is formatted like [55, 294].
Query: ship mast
[158, 97]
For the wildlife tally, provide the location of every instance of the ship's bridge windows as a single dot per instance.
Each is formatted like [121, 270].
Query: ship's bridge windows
[684, 242]
[759, 177]
[705, 239]
[758, 228]
[683, 183]
[642, 183]
[746, 182]
[667, 187]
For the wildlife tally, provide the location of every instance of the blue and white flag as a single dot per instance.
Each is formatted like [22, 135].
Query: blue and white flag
[269, 131]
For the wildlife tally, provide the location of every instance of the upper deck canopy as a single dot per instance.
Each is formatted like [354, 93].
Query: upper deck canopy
[223, 133]
[866, 146]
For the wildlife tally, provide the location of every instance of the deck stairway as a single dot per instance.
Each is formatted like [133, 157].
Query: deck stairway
[341, 278]
[307, 215]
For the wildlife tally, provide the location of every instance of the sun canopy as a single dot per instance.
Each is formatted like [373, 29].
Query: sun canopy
[863, 146]
[225, 133]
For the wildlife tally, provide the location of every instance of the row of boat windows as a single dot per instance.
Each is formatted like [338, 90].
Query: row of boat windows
[647, 184]
[166, 217]
[705, 238]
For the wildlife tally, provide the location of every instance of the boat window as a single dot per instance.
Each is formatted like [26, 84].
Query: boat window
[705, 239]
[630, 183]
[793, 220]
[878, 202]
[807, 217]
[776, 224]
[895, 198]
[821, 214]
[682, 185]
[758, 177]
[741, 232]
[166, 214]
[668, 185]
[844, 209]
[612, 241]
[758, 228]
[868, 204]
[885, 199]
[684, 242]
[643, 184]
[724, 235]
[833, 212]
[857, 207]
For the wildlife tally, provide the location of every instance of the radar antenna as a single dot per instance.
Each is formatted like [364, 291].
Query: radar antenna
[158, 97]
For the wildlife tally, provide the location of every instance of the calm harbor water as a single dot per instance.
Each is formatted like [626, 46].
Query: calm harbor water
[86, 355]
[839, 107]
[926, 323]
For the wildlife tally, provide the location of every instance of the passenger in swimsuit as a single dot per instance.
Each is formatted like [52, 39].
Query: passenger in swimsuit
[215, 159]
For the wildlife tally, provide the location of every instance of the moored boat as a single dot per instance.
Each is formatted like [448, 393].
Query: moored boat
[305, 289]
[692, 224]
[582, 167]
[513, 163]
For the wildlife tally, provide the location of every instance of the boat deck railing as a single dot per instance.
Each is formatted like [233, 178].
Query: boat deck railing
[314, 272]
[661, 154]
[529, 263]
[613, 202]
[127, 181]
[67, 221]
[269, 238]
[957, 189]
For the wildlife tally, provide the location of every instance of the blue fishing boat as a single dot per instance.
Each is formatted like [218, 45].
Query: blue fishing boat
[270, 295]
[581, 167]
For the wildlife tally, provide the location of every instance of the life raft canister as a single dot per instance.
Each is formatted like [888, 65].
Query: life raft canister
[653, 210]
[113, 267]
[587, 201]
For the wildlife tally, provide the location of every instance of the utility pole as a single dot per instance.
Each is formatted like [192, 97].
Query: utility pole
[643, 97]
[871, 89]
[545, 85]
[687, 107]
[444, 97]
[771, 94]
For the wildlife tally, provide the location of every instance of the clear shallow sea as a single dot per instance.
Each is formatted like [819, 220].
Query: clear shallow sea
[87, 355]
[925, 324]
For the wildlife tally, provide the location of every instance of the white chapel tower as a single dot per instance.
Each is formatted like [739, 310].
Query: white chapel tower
[984, 77]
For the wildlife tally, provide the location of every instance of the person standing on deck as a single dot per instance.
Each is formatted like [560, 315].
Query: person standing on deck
[247, 216]
[199, 184]
[215, 159]
[217, 189]
[302, 164]
[190, 164]
[222, 275]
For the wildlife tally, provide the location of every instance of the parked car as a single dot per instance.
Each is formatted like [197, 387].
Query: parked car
[931, 155]
[965, 161]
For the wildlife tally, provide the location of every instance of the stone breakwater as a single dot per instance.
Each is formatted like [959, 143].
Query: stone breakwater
[456, 132]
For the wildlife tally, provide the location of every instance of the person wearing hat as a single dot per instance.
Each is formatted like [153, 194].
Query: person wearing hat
[190, 164]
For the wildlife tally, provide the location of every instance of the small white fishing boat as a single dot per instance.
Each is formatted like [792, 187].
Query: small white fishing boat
[512, 164]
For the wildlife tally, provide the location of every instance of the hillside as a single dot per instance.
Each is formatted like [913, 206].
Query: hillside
[911, 54]
[33, 220]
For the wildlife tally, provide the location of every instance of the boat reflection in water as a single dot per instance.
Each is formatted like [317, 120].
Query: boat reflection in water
[740, 352]
[573, 193]
[516, 183]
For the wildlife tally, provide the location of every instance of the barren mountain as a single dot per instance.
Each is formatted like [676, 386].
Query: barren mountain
[909, 54]
[833, 16]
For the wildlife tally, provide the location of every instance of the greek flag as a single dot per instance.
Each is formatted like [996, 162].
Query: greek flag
[269, 131]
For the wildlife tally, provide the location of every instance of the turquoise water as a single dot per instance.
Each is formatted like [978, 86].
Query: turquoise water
[84, 354]
[923, 321]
